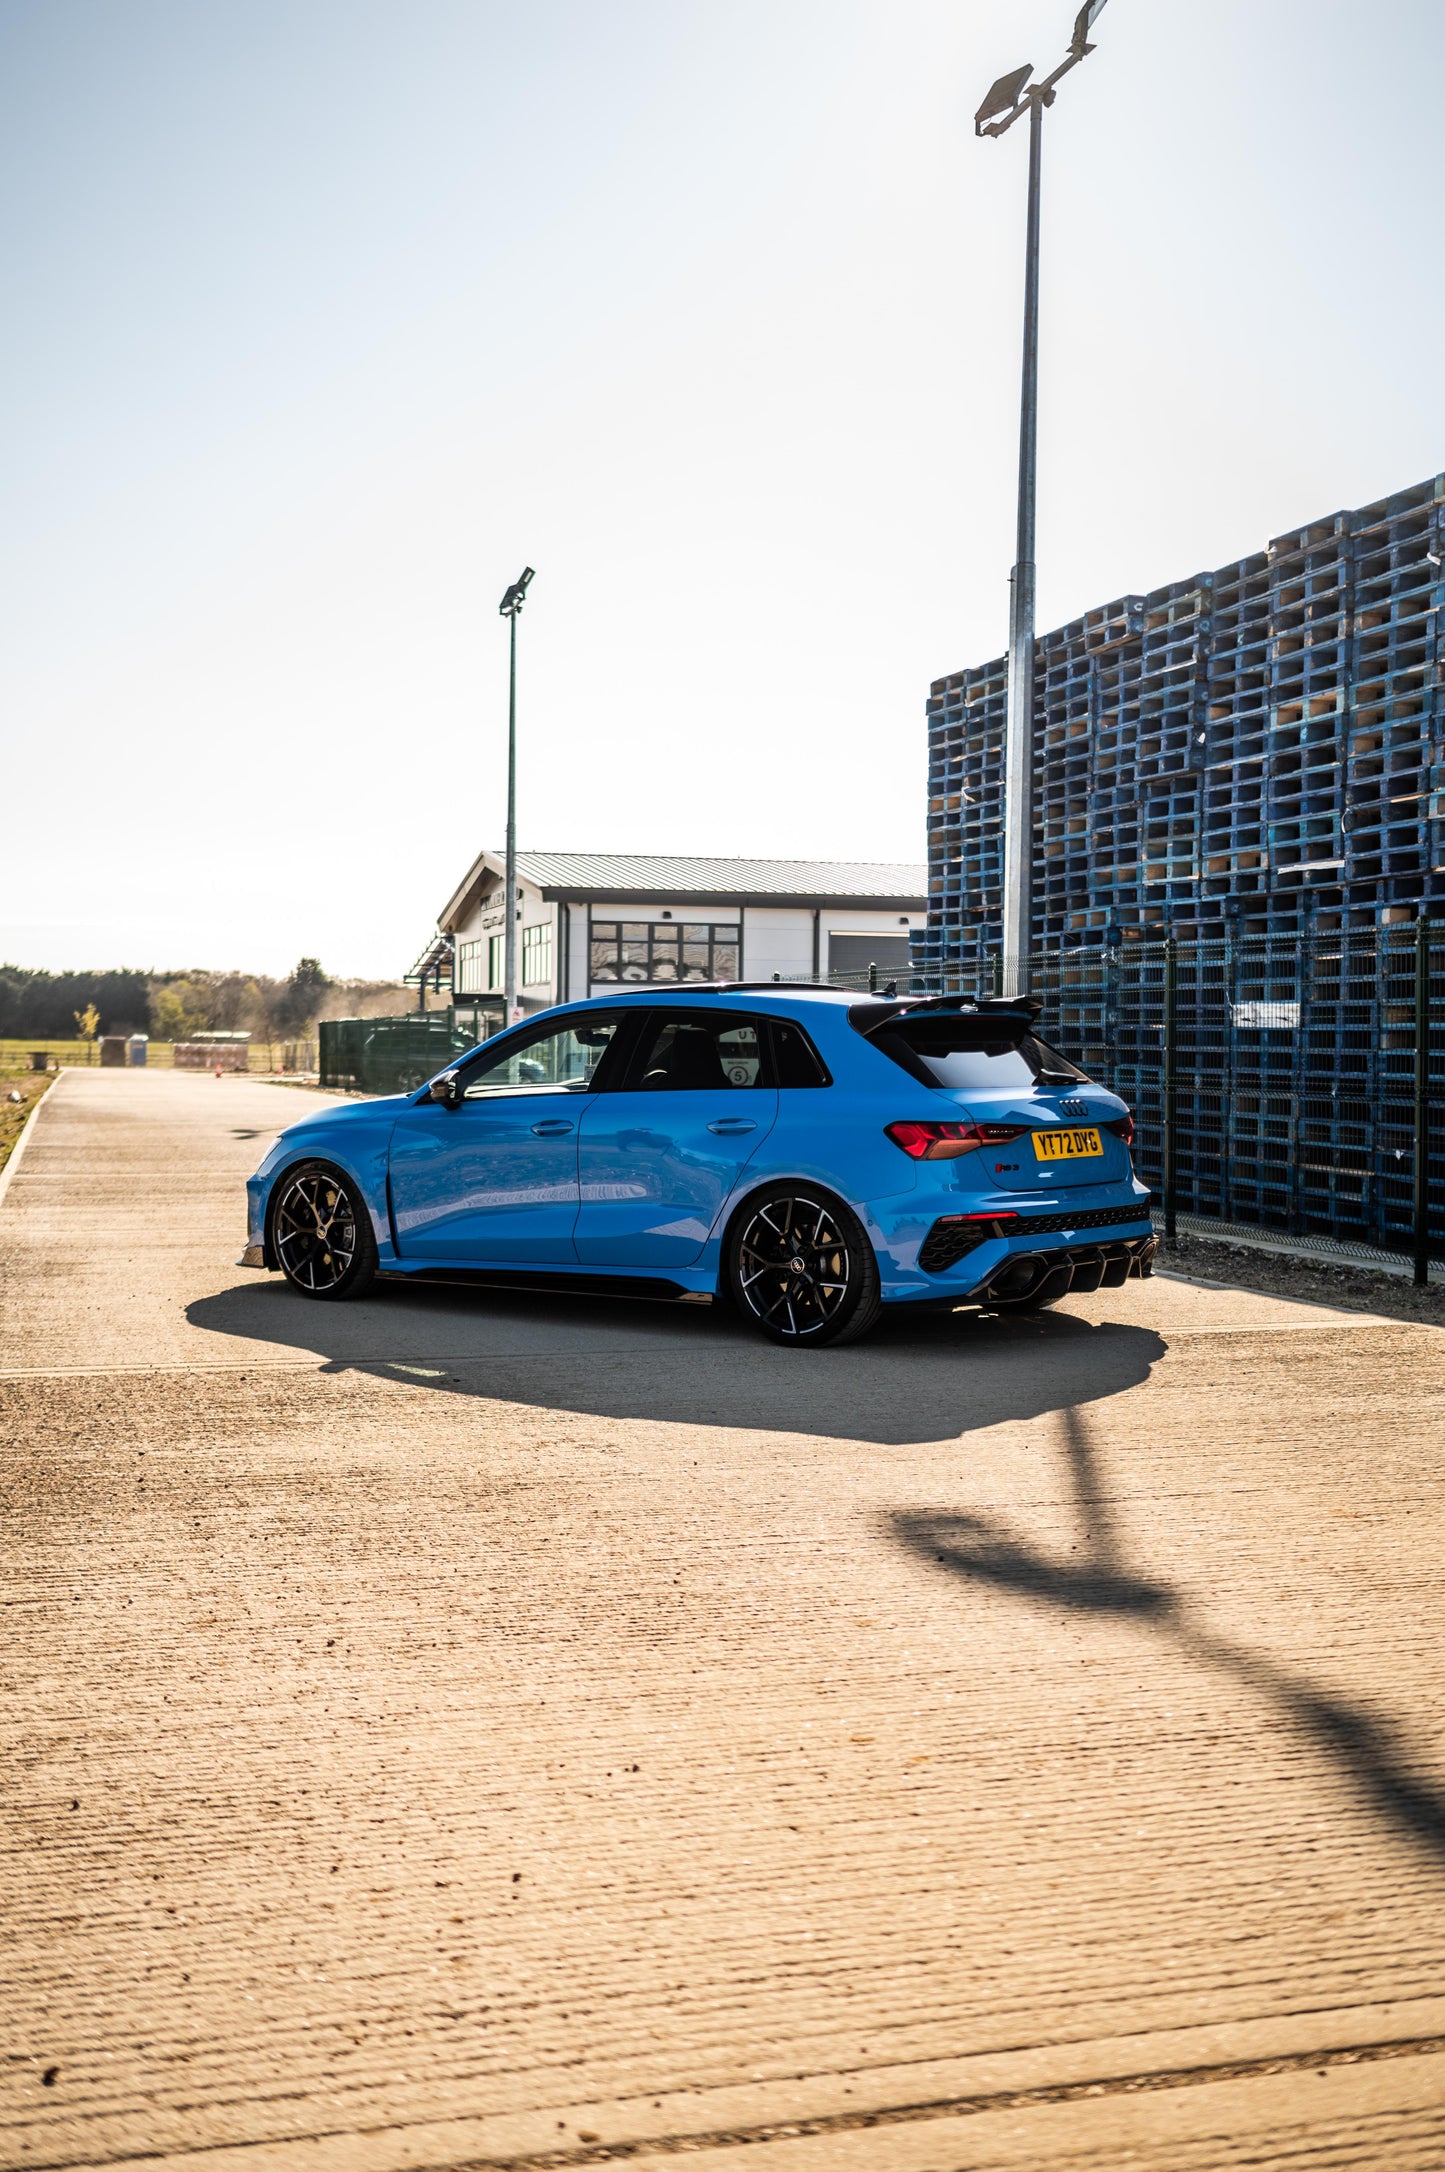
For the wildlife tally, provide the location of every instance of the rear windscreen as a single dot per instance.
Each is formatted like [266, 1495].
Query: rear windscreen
[955, 1053]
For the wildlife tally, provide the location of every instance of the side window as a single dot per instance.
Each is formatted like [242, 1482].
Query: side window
[553, 1060]
[693, 1051]
[796, 1060]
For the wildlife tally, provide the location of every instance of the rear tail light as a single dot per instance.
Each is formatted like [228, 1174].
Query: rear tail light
[946, 1142]
[935, 1142]
[1122, 1128]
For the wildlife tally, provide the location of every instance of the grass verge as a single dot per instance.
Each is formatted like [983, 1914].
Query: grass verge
[29, 1085]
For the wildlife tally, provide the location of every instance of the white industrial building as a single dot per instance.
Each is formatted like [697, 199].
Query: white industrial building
[589, 921]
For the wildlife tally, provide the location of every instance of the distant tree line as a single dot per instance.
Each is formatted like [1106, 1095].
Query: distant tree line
[172, 1006]
[45, 1004]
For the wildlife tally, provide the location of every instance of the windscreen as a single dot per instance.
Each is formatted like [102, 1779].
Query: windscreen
[956, 1054]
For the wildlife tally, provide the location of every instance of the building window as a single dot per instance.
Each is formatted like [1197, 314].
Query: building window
[536, 955]
[467, 980]
[663, 950]
[496, 960]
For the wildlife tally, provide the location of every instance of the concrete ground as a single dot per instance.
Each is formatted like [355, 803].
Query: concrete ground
[467, 1730]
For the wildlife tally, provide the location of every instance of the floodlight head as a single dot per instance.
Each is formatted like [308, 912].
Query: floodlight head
[1084, 22]
[513, 599]
[1005, 93]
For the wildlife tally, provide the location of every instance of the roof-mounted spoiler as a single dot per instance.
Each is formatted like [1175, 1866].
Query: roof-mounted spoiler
[1010, 1017]
[1031, 1006]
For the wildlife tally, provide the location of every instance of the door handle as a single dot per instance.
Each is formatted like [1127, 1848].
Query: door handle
[726, 1124]
[552, 1127]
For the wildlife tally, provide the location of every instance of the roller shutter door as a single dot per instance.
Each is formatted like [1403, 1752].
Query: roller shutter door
[855, 953]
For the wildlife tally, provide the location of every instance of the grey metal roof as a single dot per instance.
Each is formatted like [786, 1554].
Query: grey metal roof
[643, 878]
[608, 874]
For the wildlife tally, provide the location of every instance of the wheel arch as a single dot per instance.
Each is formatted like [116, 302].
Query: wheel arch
[858, 1308]
[305, 1158]
[767, 1180]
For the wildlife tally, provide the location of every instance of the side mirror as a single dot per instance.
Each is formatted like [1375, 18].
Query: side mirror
[447, 1089]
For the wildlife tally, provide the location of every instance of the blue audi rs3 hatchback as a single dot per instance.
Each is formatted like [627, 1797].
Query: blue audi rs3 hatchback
[810, 1155]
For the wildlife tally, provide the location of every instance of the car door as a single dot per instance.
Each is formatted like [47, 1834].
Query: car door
[659, 1157]
[494, 1180]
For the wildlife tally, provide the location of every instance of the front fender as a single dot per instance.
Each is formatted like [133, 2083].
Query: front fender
[362, 1156]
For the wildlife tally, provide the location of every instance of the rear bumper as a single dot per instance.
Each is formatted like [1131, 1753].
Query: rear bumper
[1022, 1278]
[953, 1238]
[942, 1247]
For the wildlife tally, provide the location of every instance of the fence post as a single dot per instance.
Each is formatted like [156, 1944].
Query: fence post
[998, 973]
[1423, 931]
[872, 979]
[1109, 1024]
[1171, 1004]
[1303, 961]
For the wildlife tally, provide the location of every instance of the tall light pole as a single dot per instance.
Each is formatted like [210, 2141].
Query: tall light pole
[1001, 108]
[511, 610]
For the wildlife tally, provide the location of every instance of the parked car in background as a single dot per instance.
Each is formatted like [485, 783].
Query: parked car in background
[811, 1155]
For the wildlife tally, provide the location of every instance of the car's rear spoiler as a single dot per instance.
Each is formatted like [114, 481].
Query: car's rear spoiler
[999, 1018]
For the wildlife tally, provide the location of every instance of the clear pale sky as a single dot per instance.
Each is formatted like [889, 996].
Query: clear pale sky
[324, 316]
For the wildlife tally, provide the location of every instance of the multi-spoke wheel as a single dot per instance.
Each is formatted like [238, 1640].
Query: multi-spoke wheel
[801, 1268]
[321, 1233]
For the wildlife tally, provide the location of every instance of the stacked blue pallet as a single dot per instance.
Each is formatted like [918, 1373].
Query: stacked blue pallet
[1251, 761]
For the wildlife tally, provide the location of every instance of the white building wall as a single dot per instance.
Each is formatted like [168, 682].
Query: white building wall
[726, 915]
[575, 982]
[488, 918]
[777, 939]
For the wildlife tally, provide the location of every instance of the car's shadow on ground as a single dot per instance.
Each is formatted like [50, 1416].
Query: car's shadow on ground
[1097, 1579]
[930, 1378]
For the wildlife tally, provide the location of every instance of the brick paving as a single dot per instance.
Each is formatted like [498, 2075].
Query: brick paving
[460, 1729]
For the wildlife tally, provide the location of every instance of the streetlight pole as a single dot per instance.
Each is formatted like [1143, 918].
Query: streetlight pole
[1019, 729]
[511, 610]
[1000, 109]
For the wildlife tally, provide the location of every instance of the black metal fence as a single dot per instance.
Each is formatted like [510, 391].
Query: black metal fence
[390, 1055]
[1290, 1081]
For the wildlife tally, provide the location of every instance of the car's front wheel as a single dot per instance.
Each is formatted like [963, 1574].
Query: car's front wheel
[800, 1268]
[321, 1232]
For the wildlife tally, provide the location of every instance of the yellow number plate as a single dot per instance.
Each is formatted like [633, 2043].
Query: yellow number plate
[1066, 1145]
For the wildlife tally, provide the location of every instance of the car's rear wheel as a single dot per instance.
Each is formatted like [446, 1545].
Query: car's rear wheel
[321, 1232]
[800, 1267]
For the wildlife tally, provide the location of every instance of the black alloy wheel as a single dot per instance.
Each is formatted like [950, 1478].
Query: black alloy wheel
[801, 1269]
[321, 1233]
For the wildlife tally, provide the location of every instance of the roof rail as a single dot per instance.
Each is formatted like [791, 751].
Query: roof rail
[668, 989]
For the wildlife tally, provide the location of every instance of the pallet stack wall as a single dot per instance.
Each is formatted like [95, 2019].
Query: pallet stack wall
[1251, 761]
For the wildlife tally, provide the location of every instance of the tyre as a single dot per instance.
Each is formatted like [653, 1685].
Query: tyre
[800, 1269]
[321, 1232]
